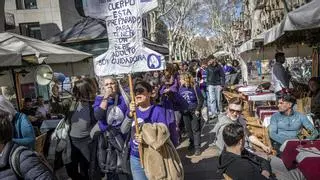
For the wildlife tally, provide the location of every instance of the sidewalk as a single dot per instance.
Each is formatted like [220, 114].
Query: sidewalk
[201, 167]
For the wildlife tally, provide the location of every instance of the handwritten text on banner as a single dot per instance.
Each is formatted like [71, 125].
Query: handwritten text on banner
[126, 53]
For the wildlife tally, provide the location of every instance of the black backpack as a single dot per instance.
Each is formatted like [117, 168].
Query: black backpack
[113, 151]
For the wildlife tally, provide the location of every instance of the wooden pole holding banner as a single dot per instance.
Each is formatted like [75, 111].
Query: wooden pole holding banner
[136, 123]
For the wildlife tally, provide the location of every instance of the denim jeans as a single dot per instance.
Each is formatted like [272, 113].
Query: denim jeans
[136, 169]
[205, 97]
[214, 99]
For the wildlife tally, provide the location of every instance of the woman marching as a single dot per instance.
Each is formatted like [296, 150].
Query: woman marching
[191, 116]
[150, 115]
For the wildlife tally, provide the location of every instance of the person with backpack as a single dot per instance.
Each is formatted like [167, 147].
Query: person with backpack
[110, 109]
[191, 116]
[23, 133]
[19, 162]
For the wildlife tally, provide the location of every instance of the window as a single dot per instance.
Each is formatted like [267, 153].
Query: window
[26, 4]
[144, 22]
[30, 30]
[145, 33]
[9, 21]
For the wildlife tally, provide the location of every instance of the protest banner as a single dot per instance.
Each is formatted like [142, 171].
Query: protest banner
[126, 53]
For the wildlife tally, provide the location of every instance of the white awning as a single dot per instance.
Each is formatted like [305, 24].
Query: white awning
[35, 51]
[249, 45]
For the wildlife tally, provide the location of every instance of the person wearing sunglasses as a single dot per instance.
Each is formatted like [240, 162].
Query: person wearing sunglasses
[233, 115]
[146, 113]
[287, 123]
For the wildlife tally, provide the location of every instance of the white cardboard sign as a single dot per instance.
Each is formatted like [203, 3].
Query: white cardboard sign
[126, 53]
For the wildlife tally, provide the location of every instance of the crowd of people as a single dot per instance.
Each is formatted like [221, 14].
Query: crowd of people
[98, 136]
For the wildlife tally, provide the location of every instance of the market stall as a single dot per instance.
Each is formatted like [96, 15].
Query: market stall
[20, 57]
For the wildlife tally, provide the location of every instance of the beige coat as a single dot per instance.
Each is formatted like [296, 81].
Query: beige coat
[161, 160]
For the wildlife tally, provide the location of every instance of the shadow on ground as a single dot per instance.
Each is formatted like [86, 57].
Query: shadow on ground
[201, 167]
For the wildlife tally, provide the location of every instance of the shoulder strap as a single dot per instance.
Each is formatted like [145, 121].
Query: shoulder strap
[14, 161]
[72, 109]
[195, 91]
[16, 120]
[92, 118]
[116, 101]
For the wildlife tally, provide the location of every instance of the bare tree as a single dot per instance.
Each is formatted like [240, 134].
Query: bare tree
[223, 13]
[174, 13]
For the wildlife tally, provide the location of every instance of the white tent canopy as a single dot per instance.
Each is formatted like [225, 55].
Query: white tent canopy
[221, 54]
[42, 51]
[8, 57]
[249, 45]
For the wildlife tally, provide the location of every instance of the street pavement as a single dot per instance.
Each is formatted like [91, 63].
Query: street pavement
[201, 167]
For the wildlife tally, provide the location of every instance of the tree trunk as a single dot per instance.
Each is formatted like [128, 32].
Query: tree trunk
[180, 51]
[285, 5]
[153, 26]
[184, 50]
[2, 16]
[176, 51]
[170, 40]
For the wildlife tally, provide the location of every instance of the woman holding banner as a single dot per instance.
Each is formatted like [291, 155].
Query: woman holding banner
[146, 113]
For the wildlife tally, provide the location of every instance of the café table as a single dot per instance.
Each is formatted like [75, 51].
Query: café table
[253, 97]
[309, 166]
[308, 161]
[249, 88]
[49, 124]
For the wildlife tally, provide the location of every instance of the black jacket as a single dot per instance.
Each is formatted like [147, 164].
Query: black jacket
[215, 75]
[244, 167]
[31, 166]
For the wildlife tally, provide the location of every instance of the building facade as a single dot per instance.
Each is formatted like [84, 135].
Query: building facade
[40, 19]
[257, 16]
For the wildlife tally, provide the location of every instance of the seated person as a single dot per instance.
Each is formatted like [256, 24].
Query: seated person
[42, 109]
[30, 111]
[287, 123]
[238, 163]
[233, 115]
[314, 86]
[23, 133]
[28, 108]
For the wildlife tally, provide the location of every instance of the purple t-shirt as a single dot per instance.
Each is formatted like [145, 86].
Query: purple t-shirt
[155, 114]
[190, 96]
[100, 114]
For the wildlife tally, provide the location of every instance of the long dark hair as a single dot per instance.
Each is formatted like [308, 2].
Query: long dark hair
[84, 90]
[6, 129]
